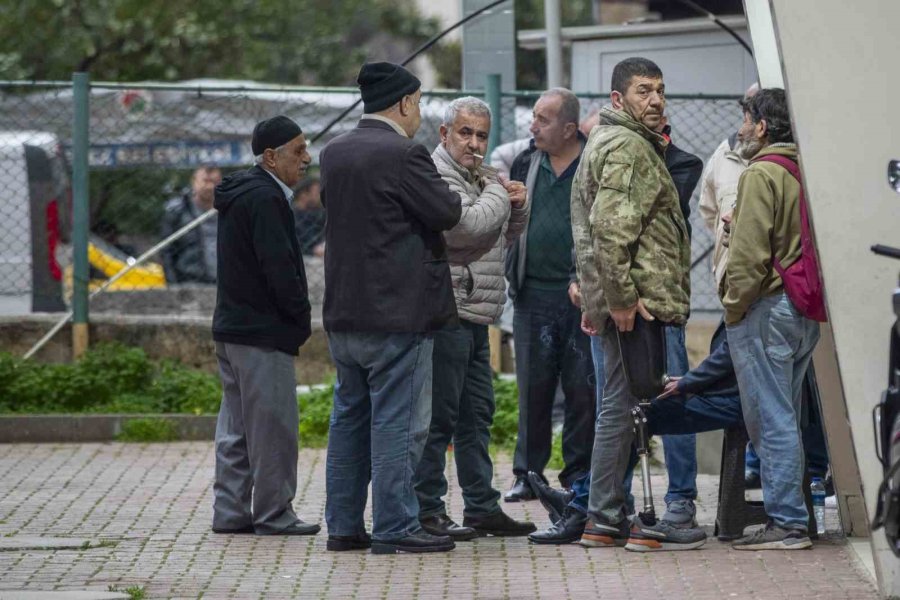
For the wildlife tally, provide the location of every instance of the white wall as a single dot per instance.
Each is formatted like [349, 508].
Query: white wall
[840, 66]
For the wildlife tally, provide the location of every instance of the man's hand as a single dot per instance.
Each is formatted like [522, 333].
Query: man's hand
[575, 294]
[671, 388]
[515, 190]
[587, 326]
[624, 317]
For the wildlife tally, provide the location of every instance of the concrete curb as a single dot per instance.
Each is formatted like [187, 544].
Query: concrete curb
[77, 428]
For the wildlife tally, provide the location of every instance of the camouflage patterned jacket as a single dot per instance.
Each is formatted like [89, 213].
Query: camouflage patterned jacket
[630, 237]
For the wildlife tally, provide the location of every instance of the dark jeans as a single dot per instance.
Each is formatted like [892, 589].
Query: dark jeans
[552, 349]
[379, 423]
[462, 410]
[676, 415]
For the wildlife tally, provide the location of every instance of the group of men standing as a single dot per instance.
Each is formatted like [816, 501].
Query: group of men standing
[589, 233]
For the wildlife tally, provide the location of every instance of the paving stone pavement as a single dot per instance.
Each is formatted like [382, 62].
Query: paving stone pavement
[152, 504]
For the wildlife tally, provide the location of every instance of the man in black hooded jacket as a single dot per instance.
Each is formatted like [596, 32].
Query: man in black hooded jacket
[262, 317]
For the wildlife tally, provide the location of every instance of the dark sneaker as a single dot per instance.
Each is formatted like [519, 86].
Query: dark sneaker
[752, 480]
[443, 525]
[417, 542]
[553, 500]
[343, 543]
[603, 535]
[681, 514]
[498, 524]
[773, 537]
[644, 537]
[566, 530]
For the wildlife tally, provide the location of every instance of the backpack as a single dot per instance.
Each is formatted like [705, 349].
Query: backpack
[802, 281]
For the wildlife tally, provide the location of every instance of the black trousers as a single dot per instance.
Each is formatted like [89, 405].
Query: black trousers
[551, 349]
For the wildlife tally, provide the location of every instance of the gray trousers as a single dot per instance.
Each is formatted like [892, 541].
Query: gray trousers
[612, 438]
[256, 439]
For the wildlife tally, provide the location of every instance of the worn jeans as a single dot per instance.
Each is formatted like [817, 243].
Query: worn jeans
[551, 349]
[679, 442]
[813, 436]
[379, 423]
[462, 410]
[771, 349]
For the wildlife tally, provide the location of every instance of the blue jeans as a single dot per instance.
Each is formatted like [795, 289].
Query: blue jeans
[679, 446]
[680, 450]
[379, 423]
[771, 349]
[813, 436]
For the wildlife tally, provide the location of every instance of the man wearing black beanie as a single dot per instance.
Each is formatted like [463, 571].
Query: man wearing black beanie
[387, 289]
[262, 317]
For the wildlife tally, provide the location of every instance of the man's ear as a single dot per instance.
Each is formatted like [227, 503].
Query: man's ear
[616, 99]
[570, 130]
[444, 131]
[763, 128]
[269, 157]
[402, 105]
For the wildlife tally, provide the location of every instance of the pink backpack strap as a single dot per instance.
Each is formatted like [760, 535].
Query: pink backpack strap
[791, 167]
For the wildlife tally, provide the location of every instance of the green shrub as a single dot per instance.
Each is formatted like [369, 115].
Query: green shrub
[315, 414]
[506, 415]
[182, 390]
[148, 430]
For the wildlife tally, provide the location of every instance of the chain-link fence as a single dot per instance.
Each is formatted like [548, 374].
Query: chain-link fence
[156, 152]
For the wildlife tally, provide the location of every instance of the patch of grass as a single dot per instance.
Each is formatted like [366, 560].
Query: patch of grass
[315, 414]
[147, 430]
[135, 592]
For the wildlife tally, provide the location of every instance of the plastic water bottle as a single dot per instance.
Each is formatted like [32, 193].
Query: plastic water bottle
[817, 490]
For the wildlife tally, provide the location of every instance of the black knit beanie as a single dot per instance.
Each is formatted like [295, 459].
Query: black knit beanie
[383, 84]
[273, 133]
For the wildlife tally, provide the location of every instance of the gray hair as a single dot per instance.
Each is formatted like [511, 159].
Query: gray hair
[258, 159]
[467, 104]
[569, 106]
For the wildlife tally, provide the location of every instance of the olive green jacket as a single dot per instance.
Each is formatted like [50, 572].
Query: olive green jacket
[766, 223]
[630, 237]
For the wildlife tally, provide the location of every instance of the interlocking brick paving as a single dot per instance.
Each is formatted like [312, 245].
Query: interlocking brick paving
[153, 504]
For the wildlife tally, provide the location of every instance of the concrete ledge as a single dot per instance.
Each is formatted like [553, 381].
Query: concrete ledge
[19, 429]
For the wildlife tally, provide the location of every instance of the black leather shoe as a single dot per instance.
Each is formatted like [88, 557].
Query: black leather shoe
[298, 528]
[519, 491]
[553, 500]
[343, 543]
[245, 529]
[417, 542]
[443, 525]
[499, 524]
[566, 530]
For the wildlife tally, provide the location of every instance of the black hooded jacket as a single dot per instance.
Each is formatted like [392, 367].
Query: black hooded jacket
[262, 294]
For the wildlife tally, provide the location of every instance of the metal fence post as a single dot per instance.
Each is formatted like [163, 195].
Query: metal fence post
[80, 212]
[492, 97]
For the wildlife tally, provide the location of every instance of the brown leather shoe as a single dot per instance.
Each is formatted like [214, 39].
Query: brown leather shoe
[441, 524]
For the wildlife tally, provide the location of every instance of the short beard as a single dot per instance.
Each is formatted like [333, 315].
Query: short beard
[749, 149]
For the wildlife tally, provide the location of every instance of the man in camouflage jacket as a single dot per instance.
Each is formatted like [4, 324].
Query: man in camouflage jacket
[632, 256]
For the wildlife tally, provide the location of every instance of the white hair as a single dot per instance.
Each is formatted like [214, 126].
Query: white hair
[258, 159]
[468, 104]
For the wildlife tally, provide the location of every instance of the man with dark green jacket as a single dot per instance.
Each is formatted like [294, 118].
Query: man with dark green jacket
[632, 256]
[771, 342]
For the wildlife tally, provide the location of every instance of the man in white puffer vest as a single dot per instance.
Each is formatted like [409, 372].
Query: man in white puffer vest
[494, 212]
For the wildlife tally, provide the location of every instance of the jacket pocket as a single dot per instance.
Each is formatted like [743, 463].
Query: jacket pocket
[616, 175]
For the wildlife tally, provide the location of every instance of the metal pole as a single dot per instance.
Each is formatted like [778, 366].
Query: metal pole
[492, 97]
[554, 43]
[80, 212]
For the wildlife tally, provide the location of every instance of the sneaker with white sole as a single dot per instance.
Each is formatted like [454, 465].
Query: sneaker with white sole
[603, 535]
[681, 514]
[773, 537]
[662, 535]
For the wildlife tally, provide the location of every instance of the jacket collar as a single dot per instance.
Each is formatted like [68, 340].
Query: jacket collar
[441, 154]
[392, 125]
[613, 116]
